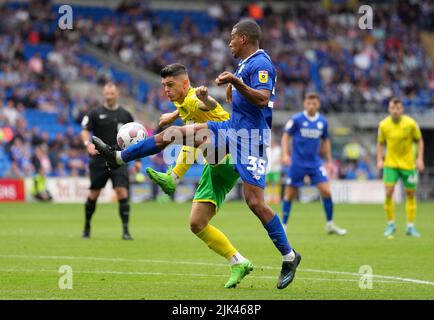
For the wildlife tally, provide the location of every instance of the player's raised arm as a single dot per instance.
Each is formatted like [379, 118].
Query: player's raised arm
[207, 102]
[258, 97]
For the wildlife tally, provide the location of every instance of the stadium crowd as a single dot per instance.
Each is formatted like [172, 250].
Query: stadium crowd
[314, 49]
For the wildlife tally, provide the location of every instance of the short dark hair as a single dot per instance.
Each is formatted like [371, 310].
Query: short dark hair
[395, 100]
[173, 70]
[250, 29]
[311, 95]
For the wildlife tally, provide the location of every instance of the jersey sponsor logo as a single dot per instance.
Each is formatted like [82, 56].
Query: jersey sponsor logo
[263, 76]
[310, 133]
[102, 116]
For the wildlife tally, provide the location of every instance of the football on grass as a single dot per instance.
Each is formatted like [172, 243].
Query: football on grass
[130, 133]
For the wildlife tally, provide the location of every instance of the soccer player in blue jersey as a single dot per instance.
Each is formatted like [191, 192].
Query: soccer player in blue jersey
[308, 130]
[245, 136]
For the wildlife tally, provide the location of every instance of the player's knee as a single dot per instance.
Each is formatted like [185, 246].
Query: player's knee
[94, 194]
[255, 204]
[326, 194]
[197, 226]
[389, 192]
[410, 194]
[121, 193]
[289, 194]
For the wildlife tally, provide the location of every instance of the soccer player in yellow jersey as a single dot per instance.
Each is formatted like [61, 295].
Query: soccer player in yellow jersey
[398, 133]
[195, 105]
[192, 105]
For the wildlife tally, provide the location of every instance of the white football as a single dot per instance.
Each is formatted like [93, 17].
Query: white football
[130, 133]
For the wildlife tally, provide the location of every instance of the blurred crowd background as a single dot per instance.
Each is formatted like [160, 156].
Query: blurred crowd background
[316, 46]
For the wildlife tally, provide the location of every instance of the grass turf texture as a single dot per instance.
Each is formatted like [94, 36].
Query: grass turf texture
[166, 261]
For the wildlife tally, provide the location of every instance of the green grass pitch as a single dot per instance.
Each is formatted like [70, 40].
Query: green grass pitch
[166, 261]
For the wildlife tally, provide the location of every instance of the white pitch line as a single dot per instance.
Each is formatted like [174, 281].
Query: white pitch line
[134, 273]
[426, 282]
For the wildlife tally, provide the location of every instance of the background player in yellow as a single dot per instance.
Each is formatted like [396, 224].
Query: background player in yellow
[398, 133]
[192, 105]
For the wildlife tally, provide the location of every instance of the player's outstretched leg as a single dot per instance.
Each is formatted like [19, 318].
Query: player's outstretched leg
[254, 196]
[165, 180]
[169, 180]
[154, 144]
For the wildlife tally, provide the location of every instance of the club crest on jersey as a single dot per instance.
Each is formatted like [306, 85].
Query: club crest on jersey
[263, 76]
[320, 125]
[305, 124]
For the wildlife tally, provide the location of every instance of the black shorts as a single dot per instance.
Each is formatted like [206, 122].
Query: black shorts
[99, 174]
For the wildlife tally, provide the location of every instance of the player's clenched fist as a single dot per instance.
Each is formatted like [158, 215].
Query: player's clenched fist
[225, 77]
[202, 93]
[90, 147]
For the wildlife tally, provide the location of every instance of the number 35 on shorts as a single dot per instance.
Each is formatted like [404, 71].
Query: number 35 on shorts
[257, 165]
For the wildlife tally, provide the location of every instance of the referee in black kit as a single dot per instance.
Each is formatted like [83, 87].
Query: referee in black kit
[105, 121]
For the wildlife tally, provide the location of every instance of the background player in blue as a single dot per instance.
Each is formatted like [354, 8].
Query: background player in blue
[308, 129]
[251, 90]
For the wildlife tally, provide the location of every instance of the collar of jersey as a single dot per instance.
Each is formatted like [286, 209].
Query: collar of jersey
[314, 118]
[254, 53]
[188, 94]
[109, 109]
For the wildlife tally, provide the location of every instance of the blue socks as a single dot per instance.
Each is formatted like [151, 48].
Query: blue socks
[139, 150]
[328, 208]
[278, 235]
[286, 211]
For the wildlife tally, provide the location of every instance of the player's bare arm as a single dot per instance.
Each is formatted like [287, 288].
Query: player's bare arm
[168, 118]
[259, 97]
[328, 153]
[229, 93]
[286, 153]
[380, 154]
[207, 102]
[90, 147]
[420, 165]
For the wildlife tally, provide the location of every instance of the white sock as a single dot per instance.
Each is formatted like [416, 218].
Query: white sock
[119, 158]
[410, 225]
[236, 259]
[330, 223]
[391, 222]
[174, 177]
[289, 257]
